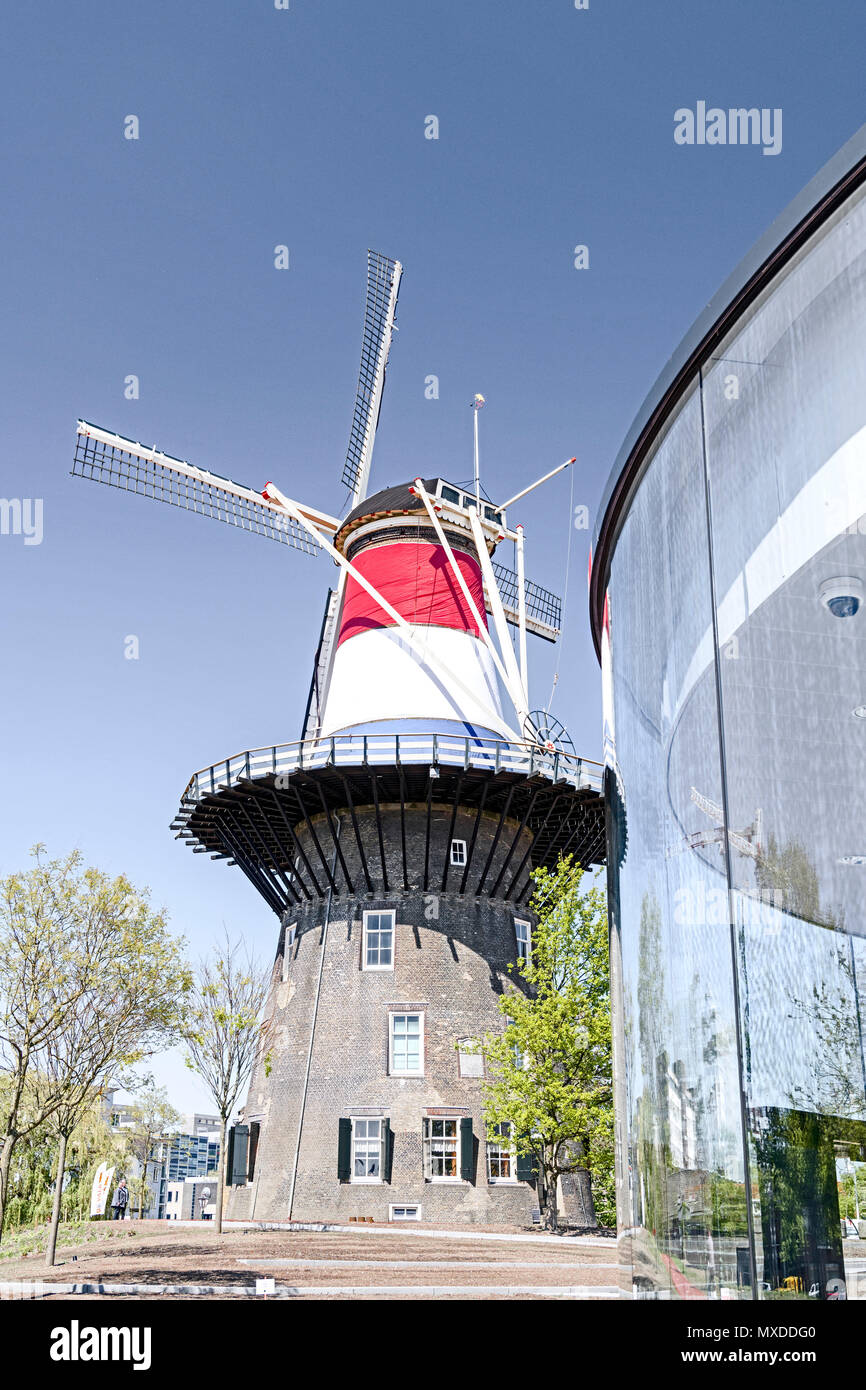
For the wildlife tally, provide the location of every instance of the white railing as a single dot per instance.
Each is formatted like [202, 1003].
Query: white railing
[389, 750]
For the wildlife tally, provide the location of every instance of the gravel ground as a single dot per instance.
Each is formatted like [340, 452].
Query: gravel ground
[152, 1252]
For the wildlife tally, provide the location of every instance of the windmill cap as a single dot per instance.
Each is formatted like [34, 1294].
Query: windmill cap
[391, 501]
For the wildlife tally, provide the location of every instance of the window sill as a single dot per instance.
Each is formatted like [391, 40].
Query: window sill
[410, 1075]
[366, 1182]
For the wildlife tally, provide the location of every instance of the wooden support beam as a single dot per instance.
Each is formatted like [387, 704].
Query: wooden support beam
[514, 842]
[360, 845]
[300, 852]
[502, 817]
[475, 828]
[343, 865]
[451, 833]
[375, 787]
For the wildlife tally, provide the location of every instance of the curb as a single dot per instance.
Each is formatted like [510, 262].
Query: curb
[571, 1291]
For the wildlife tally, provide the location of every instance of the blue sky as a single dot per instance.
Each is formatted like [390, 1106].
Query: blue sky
[154, 257]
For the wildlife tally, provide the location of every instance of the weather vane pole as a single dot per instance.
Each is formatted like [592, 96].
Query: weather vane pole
[476, 406]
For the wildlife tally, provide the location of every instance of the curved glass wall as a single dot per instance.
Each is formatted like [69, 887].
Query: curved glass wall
[734, 655]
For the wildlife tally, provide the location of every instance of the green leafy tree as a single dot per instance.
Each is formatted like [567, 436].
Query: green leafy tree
[224, 1033]
[549, 1072]
[91, 983]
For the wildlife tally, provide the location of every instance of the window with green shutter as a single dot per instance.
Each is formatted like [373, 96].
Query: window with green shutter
[344, 1151]
[255, 1129]
[527, 1167]
[387, 1150]
[240, 1147]
[467, 1149]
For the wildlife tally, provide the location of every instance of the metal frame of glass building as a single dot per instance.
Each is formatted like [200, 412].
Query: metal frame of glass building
[728, 604]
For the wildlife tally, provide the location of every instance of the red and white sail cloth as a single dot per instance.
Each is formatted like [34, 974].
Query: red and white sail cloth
[377, 676]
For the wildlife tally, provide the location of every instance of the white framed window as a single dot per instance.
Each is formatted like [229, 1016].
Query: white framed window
[441, 1150]
[288, 943]
[458, 853]
[406, 1044]
[378, 945]
[524, 939]
[404, 1212]
[471, 1062]
[501, 1159]
[366, 1150]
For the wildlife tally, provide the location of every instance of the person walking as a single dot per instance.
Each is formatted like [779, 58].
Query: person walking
[120, 1200]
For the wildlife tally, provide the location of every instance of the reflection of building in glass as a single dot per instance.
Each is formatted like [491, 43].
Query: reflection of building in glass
[729, 611]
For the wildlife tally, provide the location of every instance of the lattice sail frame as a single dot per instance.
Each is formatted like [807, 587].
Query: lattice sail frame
[127, 465]
[543, 608]
[383, 287]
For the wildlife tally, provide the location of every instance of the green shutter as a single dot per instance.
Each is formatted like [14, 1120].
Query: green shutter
[467, 1149]
[527, 1168]
[255, 1128]
[230, 1146]
[344, 1151]
[240, 1142]
[387, 1150]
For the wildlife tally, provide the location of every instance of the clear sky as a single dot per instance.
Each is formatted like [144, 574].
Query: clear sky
[155, 257]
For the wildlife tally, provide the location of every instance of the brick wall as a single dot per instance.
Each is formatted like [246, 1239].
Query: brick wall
[451, 960]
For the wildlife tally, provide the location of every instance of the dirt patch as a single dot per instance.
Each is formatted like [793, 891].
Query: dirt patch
[145, 1254]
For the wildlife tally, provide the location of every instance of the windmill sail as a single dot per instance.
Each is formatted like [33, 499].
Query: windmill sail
[321, 667]
[109, 458]
[543, 608]
[383, 286]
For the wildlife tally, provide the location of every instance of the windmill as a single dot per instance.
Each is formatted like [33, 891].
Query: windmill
[418, 799]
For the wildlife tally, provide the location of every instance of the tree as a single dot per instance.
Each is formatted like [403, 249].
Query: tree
[153, 1117]
[37, 987]
[223, 1033]
[92, 982]
[133, 982]
[549, 1072]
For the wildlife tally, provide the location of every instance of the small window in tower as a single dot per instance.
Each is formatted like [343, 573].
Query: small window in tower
[378, 945]
[491, 515]
[406, 1046]
[471, 1057]
[288, 943]
[449, 494]
[458, 853]
[524, 940]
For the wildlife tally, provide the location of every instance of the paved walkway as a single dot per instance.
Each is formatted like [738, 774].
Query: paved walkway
[319, 1291]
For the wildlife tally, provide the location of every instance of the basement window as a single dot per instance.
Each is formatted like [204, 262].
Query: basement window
[404, 1213]
[458, 853]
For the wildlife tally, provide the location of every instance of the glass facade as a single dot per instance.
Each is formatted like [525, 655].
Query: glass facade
[733, 644]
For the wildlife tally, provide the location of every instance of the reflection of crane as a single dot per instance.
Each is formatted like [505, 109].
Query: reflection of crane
[747, 841]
